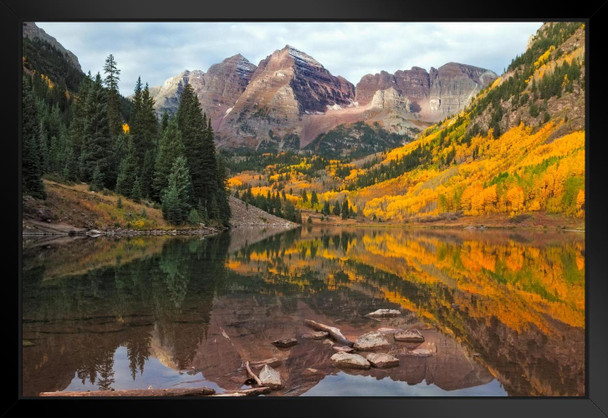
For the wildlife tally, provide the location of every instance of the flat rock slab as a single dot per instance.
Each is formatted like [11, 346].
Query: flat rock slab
[270, 377]
[409, 336]
[384, 313]
[317, 335]
[388, 330]
[420, 352]
[285, 342]
[342, 349]
[382, 361]
[371, 341]
[352, 361]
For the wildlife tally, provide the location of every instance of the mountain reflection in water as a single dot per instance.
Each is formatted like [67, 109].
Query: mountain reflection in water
[503, 312]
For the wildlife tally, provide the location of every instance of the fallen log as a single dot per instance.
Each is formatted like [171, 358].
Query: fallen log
[203, 391]
[252, 374]
[334, 332]
[246, 392]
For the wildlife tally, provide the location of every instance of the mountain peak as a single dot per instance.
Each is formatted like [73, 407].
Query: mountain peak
[299, 56]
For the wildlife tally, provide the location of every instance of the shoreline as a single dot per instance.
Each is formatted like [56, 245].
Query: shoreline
[527, 221]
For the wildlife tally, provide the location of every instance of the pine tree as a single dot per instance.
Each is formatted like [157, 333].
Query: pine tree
[314, 199]
[337, 209]
[197, 137]
[77, 126]
[170, 147]
[127, 171]
[136, 192]
[97, 148]
[222, 194]
[345, 209]
[164, 122]
[175, 198]
[97, 180]
[31, 169]
[111, 83]
[325, 210]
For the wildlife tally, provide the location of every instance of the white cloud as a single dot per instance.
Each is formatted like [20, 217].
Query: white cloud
[159, 50]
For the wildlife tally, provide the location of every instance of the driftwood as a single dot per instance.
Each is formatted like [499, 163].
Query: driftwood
[334, 332]
[246, 392]
[203, 391]
[252, 374]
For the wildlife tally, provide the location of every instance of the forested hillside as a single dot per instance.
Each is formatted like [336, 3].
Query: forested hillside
[519, 147]
[87, 134]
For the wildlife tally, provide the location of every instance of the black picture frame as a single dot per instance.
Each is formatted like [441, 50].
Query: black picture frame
[594, 404]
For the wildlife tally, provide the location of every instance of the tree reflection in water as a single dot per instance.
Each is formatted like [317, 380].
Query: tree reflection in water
[500, 305]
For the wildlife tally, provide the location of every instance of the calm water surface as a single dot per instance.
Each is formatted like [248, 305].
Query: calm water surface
[502, 312]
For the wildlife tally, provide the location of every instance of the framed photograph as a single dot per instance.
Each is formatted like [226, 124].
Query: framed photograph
[336, 208]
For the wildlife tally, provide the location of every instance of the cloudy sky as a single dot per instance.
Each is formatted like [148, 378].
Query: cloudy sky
[157, 51]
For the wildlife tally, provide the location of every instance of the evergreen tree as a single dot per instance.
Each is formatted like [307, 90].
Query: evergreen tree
[170, 147]
[31, 169]
[175, 198]
[96, 180]
[136, 191]
[345, 209]
[314, 199]
[76, 130]
[127, 171]
[222, 194]
[198, 142]
[147, 174]
[337, 209]
[97, 148]
[111, 83]
[325, 210]
[164, 122]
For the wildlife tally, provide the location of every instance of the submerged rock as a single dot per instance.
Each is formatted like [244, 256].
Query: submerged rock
[420, 352]
[382, 361]
[342, 349]
[353, 361]
[409, 336]
[371, 341]
[270, 377]
[384, 313]
[285, 342]
[317, 335]
[388, 330]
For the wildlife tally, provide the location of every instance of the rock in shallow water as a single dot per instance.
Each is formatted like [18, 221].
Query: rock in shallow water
[342, 349]
[270, 378]
[382, 361]
[409, 336]
[353, 361]
[371, 341]
[285, 342]
[384, 313]
[317, 335]
[420, 352]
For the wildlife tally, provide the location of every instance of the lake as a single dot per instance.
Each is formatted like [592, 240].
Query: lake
[502, 312]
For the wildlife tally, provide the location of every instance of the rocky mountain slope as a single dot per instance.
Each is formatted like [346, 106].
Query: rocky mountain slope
[289, 100]
[31, 31]
[43, 54]
[433, 96]
[217, 89]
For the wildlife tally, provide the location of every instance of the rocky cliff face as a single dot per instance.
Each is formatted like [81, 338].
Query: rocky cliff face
[290, 99]
[31, 31]
[217, 90]
[454, 85]
[286, 85]
[432, 96]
